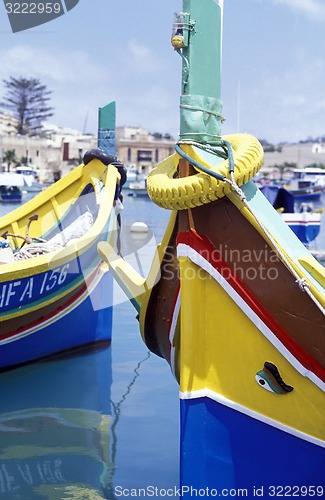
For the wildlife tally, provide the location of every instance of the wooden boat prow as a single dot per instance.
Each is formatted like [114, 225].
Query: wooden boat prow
[237, 307]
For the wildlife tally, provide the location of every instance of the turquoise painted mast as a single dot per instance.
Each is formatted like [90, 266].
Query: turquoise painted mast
[106, 128]
[200, 101]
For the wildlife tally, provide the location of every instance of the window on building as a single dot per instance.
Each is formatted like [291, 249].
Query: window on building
[157, 155]
[129, 154]
[144, 155]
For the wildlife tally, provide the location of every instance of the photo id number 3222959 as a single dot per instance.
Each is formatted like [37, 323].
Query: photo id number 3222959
[33, 7]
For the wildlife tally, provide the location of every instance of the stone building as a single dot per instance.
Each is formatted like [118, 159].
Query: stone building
[61, 149]
[140, 150]
[52, 156]
[301, 155]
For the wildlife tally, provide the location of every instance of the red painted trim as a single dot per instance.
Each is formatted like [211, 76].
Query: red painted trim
[205, 248]
[302, 222]
[53, 313]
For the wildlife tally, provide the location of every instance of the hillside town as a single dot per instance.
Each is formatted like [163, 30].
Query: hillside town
[57, 150]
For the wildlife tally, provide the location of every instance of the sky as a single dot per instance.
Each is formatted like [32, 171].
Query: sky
[273, 67]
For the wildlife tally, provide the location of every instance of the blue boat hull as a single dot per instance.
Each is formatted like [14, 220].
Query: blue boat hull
[8, 198]
[307, 196]
[227, 437]
[306, 232]
[86, 321]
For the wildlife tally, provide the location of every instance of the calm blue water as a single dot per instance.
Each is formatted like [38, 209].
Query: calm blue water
[95, 425]
[79, 427]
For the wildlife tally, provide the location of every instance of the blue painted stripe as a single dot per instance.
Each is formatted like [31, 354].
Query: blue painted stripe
[28, 292]
[223, 448]
[90, 321]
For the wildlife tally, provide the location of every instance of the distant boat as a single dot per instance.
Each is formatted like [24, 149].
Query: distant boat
[10, 187]
[304, 187]
[307, 193]
[131, 176]
[305, 222]
[31, 184]
[315, 175]
[10, 194]
[139, 188]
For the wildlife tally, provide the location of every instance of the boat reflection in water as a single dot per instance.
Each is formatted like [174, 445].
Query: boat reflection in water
[55, 421]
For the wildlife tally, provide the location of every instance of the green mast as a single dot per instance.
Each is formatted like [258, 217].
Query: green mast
[197, 37]
[106, 128]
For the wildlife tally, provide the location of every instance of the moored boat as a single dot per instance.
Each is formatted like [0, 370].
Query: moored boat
[131, 176]
[10, 194]
[55, 292]
[306, 184]
[31, 183]
[309, 193]
[309, 176]
[304, 222]
[234, 301]
[10, 187]
[138, 188]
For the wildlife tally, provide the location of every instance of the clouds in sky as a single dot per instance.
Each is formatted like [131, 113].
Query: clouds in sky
[81, 83]
[312, 8]
[283, 106]
[276, 90]
[69, 77]
[273, 53]
[42, 62]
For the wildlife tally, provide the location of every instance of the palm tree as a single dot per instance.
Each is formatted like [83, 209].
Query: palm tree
[23, 160]
[9, 157]
[284, 168]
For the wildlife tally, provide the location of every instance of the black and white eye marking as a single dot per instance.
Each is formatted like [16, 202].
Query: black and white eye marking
[270, 379]
[263, 382]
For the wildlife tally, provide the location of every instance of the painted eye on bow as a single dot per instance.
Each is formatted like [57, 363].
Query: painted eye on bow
[263, 382]
[270, 379]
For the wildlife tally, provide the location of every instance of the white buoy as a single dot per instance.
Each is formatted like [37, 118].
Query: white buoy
[139, 227]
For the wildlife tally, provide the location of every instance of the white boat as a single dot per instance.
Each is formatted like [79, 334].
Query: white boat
[31, 183]
[131, 176]
[312, 175]
[305, 221]
[10, 187]
[139, 188]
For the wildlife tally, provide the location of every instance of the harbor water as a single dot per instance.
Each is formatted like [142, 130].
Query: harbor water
[102, 423]
[94, 424]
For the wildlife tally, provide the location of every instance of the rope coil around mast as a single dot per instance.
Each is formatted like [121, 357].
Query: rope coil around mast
[243, 152]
